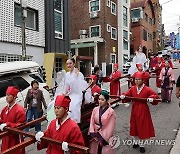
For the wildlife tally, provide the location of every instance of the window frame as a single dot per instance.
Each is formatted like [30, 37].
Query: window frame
[62, 23]
[36, 18]
[111, 55]
[108, 28]
[95, 26]
[125, 16]
[95, 10]
[144, 30]
[115, 8]
[112, 33]
[108, 3]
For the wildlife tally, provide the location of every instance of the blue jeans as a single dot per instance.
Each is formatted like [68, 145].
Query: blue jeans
[29, 115]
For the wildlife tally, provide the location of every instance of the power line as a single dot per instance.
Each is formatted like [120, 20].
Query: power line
[166, 2]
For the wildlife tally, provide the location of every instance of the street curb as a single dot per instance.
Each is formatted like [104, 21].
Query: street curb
[176, 148]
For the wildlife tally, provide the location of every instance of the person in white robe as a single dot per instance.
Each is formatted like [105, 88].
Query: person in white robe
[139, 58]
[74, 85]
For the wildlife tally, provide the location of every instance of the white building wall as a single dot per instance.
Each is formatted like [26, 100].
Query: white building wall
[10, 33]
[121, 27]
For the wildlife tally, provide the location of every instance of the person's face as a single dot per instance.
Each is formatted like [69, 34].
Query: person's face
[140, 68]
[9, 98]
[115, 68]
[166, 64]
[138, 81]
[35, 86]
[70, 65]
[59, 112]
[102, 101]
[159, 61]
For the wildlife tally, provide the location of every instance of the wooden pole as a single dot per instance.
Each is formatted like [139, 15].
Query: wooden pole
[19, 146]
[28, 124]
[47, 139]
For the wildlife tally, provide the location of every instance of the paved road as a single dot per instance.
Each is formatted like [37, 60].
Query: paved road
[166, 118]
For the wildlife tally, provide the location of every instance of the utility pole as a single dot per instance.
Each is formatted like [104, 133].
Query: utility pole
[23, 27]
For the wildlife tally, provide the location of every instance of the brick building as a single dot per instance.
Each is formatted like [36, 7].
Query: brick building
[97, 32]
[142, 23]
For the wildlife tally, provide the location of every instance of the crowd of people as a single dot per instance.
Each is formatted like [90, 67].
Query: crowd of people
[64, 111]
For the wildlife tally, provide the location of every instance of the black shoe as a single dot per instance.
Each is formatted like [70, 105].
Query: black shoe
[142, 150]
[135, 146]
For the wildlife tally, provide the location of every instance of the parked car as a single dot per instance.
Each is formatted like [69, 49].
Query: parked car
[20, 74]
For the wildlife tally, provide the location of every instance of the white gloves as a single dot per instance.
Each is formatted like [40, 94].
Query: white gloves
[65, 146]
[2, 126]
[39, 135]
[150, 100]
[122, 97]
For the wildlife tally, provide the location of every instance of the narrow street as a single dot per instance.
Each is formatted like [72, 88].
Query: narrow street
[165, 116]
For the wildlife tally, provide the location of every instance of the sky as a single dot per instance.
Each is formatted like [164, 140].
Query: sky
[170, 15]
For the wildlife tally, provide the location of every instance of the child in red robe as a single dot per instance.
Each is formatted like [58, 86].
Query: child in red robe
[62, 129]
[95, 89]
[115, 88]
[141, 126]
[12, 116]
[158, 67]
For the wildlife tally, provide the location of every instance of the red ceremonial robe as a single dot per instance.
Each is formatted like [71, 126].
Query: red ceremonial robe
[140, 122]
[68, 132]
[15, 117]
[115, 88]
[158, 69]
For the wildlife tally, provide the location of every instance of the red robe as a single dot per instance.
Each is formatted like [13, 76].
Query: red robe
[140, 122]
[153, 62]
[95, 89]
[68, 132]
[15, 117]
[115, 88]
[158, 69]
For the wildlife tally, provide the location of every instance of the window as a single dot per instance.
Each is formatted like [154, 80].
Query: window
[4, 85]
[20, 83]
[31, 20]
[113, 8]
[113, 33]
[125, 40]
[153, 21]
[108, 3]
[144, 35]
[146, 17]
[150, 21]
[95, 31]
[154, 35]
[108, 28]
[36, 77]
[125, 34]
[136, 13]
[58, 18]
[150, 36]
[125, 16]
[94, 5]
[58, 64]
[12, 57]
[112, 58]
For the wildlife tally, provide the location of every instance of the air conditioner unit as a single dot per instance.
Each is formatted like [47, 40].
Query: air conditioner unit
[83, 32]
[135, 19]
[93, 14]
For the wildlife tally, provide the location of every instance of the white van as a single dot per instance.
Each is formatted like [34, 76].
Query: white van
[20, 74]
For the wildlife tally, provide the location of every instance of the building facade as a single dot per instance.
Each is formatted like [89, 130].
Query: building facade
[97, 31]
[10, 31]
[142, 21]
